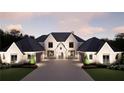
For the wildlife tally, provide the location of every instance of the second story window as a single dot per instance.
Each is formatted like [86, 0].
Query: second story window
[50, 45]
[71, 44]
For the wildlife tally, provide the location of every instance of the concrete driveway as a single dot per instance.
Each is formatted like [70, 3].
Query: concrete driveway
[58, 71]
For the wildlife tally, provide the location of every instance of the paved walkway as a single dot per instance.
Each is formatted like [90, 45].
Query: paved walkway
[58, 71]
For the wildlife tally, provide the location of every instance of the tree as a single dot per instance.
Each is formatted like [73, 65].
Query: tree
[120, 36]
[15, 32]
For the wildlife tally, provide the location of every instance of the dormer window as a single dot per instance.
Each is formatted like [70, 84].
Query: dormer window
[71, 44]
[50, 45]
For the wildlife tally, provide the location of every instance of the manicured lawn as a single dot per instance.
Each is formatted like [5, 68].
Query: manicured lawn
[14, 74]
[102, 74]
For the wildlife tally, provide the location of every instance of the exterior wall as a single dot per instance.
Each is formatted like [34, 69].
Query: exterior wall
[50, 38]
[21, 57]
[94, 57]
[65, 48]
[107, 50]
[25, 56]
[13, 49]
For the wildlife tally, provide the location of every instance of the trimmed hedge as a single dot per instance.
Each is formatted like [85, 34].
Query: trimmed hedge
[18, 65]
[94, 65]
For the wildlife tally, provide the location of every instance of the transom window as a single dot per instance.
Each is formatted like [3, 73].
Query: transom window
[71, 44]
[14, 58]
[50, 44]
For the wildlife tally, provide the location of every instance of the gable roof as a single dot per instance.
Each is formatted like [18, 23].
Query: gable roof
[28, 44]
[78, 38]
[60, 36]
[41, 38]
[93, 44]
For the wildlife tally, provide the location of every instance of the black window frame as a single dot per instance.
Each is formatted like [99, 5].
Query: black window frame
[90, 56]
[14, 57]
[71, 44]
[29, 56]
[50, 44]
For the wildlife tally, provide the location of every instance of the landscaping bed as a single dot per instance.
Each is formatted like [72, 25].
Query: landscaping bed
[94, 65]
[104, 74]
[15, 72]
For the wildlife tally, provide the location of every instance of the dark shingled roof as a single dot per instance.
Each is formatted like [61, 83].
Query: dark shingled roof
[78, 38]
[60, 37]
[93, 44]
[28, 44]
[41, 38]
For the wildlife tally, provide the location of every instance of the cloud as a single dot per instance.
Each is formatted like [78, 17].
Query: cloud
[18, 27]
[79, 22]
[20, 16]
[119, 29]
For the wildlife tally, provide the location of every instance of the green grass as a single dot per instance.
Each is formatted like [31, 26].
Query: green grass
[14, 74]
[102, 74]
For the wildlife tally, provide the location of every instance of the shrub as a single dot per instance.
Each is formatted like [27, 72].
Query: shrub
[32, 60]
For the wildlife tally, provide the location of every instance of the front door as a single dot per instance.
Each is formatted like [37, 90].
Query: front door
[61, 56]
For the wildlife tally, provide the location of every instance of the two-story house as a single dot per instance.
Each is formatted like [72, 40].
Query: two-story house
[60, 45]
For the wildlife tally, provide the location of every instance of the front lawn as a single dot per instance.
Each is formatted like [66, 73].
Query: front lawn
[104, 74]
[14, 74]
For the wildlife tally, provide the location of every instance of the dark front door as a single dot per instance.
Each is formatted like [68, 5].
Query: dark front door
[38, 57]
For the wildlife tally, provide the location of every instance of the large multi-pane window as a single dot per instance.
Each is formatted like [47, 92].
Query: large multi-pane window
[50, 53]
[14, 58]
[50, 44]
[106, 59]
[71, 44]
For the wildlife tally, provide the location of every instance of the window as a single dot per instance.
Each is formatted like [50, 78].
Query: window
[50, 53]
[71, 44]
[13, 58]
[60, 48]
[3, 56]
[105, 59]
[90, 56]
[50, 44]
[29, 56]
[117, 57]
[72, 53]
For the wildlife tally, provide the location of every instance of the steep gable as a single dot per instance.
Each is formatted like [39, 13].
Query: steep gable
[41, 38]
[106, 48]
[60, 36]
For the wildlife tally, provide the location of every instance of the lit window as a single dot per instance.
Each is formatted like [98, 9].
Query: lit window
[71, 44]
[50, 44]
[90, 56]
[50, 53]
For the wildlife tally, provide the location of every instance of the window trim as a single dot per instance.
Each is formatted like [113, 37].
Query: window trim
[91, 56]
[71, 44]
[15, 57]
[50, 46]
